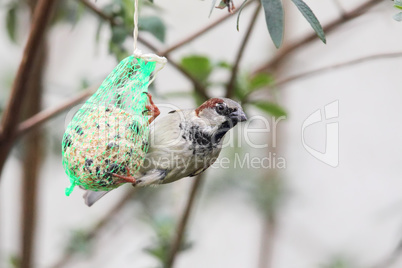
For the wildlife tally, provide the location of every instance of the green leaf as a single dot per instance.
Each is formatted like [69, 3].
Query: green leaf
[238, 15]
[126, 11]
[14, 261]
[311, 18]
[398, 17]
[164, 229]
[274, 18]
[119, 34]
[153, 25]
[212, 7]
[118, 51]
[271, 108]
[224, 65]
[398, 4]
[339, 262]
[242, 86]
[198, 66]
[260, 80]
[11, 21]
[68, 11]
[268, 194]
[222, 4]
[79, 242]
[98, 31]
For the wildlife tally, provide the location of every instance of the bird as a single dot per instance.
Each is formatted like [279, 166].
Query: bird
[184, 143]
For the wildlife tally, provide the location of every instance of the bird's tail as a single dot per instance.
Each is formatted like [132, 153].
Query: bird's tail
[91, 197]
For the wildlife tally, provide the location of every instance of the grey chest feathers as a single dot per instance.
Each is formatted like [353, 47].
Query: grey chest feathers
[201, 142]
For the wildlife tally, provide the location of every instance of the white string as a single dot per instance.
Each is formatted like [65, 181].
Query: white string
[135, 33]
[137, 53]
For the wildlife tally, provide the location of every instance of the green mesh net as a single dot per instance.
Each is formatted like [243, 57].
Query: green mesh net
[109, 134]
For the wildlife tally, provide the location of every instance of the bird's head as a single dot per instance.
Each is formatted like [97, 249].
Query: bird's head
[221, 114]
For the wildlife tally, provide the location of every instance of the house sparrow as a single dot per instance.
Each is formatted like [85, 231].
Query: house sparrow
[182, 144]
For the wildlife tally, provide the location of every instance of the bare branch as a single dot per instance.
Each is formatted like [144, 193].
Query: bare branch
[95, 231]
[181, 228]
[12, 112]
[292, 78]
[31, 158]
[43, 116]
[330, 27]
[338, 4]
[198, 33]
[232, 80]
[390, 261]
[267, 242]
[98, 12]
[338, 65]
[197, 85]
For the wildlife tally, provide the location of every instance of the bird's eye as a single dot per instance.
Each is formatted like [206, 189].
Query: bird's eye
[220, 108]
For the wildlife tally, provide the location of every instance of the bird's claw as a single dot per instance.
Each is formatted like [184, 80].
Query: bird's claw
[127, 178]
[152, 109]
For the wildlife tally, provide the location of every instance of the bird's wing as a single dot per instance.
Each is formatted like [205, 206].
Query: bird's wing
[167, 130]
[153, 176]
[91, 197]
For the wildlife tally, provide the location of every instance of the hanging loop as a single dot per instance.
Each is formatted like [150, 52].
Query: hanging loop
[138, 53]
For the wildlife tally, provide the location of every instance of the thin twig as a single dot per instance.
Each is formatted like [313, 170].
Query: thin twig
[197, 85]
[96, 230]
[232, 80]
[392, 258]
[337, 66]
[99, 12]
[292, 78]
[340, 7]
[361, 9]
[267, 242]
[12, 112]
[31, 158]
[43, 116]
[181, 228]
[198, 33]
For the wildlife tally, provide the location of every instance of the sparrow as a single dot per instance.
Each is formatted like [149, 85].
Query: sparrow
[184, 143]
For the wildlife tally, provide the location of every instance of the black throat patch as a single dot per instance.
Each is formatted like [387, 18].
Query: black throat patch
[203, 142]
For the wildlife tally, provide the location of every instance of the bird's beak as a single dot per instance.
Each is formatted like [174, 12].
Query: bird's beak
[238, 115]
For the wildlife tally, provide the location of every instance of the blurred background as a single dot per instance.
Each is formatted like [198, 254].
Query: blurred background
[287, 209]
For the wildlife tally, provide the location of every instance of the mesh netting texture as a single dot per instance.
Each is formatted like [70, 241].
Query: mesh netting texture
[109, 133]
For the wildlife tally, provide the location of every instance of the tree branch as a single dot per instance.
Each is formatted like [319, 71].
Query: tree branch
[267, 242]
[197, 85]
[199, 32]
[31, 157]
[339, 6]
[43, 116]
[12, 112]
[181, 228]
[338, 65]
[93, 232]
[232, 80]
[330, 27]
[390, 261]
[292, 78]
[99, 12]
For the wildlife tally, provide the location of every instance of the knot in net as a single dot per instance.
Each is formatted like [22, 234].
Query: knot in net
[109, 133]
